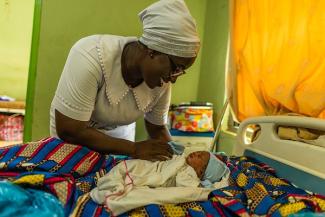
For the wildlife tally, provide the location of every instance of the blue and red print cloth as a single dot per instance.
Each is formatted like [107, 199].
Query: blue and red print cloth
[69, 172]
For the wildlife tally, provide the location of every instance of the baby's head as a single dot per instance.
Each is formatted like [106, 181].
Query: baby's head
[207, 166]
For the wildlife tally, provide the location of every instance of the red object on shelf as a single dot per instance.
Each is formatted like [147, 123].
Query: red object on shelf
[11, 127]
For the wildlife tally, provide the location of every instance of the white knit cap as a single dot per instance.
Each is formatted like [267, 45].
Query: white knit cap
[169, 28]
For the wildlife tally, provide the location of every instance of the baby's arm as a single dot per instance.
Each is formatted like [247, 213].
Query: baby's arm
[115, 176]
[112, 183]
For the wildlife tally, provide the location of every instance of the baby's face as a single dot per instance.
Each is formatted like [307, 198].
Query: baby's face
[198, 161]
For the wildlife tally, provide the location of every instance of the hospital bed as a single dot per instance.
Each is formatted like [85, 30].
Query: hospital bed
[301, 163]
[70, 171]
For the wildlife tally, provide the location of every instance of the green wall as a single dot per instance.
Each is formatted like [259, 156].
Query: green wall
[62, 23]
[212, 73]
[211, 86]
[16, 19]
[186, 87]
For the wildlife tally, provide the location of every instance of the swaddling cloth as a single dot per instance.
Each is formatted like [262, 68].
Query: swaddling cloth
[127, 174]
[135, 183]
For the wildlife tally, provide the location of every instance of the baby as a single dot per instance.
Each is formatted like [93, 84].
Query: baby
[208, 168]
[134, 183]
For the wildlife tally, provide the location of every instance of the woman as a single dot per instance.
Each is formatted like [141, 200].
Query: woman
[108, 82]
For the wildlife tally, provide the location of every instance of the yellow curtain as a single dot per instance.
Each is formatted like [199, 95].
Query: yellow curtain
[279, 57]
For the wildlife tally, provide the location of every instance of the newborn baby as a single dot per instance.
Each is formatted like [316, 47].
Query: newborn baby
[134, 183]
[209, 169]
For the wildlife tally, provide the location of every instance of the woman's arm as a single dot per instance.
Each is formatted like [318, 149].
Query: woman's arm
[157, 131]
[156, 119]
[77, 132]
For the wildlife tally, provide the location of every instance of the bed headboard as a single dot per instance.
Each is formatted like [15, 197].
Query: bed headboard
[301, 163]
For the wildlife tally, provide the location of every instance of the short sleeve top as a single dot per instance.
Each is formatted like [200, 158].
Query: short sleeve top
[91, 88]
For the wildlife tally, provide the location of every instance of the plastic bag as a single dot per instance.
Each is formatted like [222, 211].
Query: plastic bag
[17, 201]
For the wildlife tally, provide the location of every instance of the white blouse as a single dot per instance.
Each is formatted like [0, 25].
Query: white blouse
[92, 88]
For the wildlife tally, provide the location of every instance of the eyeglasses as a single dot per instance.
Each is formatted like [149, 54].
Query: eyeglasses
[176, 70]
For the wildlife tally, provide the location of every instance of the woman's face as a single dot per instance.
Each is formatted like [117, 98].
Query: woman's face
[198, 161]
[158, 68]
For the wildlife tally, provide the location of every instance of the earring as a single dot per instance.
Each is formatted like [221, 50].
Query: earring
[151, 54]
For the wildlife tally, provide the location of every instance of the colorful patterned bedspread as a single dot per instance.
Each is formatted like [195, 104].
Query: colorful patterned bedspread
[71, 171]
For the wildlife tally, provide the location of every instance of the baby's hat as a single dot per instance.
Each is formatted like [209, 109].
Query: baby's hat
[214, 172]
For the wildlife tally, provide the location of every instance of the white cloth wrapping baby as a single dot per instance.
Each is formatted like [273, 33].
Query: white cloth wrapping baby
[136, 183]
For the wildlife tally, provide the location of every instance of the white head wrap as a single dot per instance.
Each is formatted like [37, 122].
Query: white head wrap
[169, 28]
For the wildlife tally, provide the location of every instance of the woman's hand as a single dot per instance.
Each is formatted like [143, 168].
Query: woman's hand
[153, 150]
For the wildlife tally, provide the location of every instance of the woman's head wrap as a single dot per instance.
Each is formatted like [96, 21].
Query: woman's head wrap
[169, 28]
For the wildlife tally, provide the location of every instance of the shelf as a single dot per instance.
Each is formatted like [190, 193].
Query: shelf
[7, 143]
[17, 107]
[16, 111]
